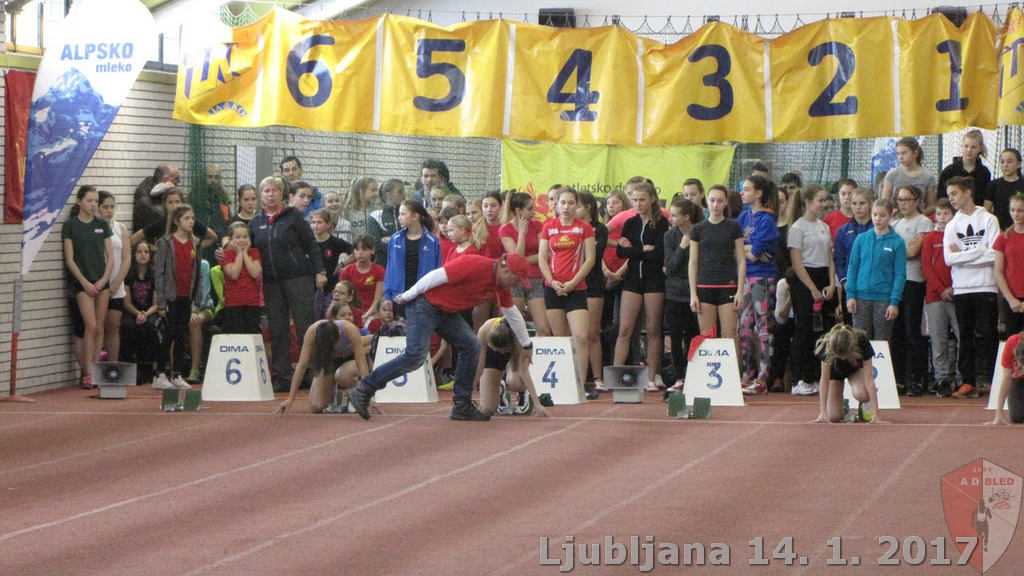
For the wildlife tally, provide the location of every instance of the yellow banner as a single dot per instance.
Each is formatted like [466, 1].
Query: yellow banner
[443, 81]
[829, 79]
[833, 79]
[946, 74]
[574, 85]
[1011, 69]
[707, 87]
[599, 169]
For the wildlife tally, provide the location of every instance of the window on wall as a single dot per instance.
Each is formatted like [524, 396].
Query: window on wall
[26, 24]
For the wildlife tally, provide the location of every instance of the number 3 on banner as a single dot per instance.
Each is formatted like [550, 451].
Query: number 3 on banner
[582, 97]
[823, 104]
[716, 80]
[297, 68]
[426, 67]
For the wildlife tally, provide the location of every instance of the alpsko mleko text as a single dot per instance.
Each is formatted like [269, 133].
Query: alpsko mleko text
[108, 51]
[644, 554]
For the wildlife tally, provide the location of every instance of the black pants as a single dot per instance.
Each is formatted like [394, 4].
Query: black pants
[976, 317]
[682, 327]
[910, 348]
[803, 364]
[179, 312]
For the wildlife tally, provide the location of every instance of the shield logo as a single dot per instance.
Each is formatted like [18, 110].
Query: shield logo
[981, 501]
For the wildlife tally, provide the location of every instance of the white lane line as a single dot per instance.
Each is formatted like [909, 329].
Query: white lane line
[382, 500]
[192, 483]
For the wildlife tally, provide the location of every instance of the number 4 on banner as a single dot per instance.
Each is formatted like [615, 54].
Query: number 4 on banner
[579, 61]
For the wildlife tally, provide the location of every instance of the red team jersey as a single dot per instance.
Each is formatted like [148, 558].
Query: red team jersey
[565, 248]
[508, 230]
[245, 290]
[472, 280]
[366, 284]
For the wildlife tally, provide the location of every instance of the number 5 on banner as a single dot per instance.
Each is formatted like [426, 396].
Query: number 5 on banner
[426, 67]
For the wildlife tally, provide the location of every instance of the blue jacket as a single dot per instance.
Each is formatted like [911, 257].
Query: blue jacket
[762, 235]
[394, 274]
[843, 244]
[878, 267]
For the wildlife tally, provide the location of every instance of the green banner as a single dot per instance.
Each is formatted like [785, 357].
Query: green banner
[599, 169]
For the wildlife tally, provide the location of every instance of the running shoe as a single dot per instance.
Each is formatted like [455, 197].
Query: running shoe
[359, 398]
[964, 391]
[755, 388]
[161, 382]
[504, 401]
[194, 376]
[804, 389]
[524, 404]
[180, 383]
[466, 410]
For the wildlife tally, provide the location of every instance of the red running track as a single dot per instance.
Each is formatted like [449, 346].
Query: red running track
[107, 487]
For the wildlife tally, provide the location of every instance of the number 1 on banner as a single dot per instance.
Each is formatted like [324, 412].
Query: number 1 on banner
[579, 61]
[956, 70]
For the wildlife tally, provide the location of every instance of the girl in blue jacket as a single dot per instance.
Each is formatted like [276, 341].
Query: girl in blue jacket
[876, 275]
[760, 241]
[413, 247]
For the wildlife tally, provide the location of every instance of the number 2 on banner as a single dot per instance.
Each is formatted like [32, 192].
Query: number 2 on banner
[823, 104]
[426, 67]
[549, 375]
[579, 61]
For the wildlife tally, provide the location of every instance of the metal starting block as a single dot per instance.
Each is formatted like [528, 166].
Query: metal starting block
[173, 401]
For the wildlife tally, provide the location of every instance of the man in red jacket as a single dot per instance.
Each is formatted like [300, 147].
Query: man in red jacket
[433, 305]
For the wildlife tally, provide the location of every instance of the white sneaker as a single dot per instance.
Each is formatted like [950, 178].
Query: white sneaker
[160, 382]
[804, 389]
[179, 383]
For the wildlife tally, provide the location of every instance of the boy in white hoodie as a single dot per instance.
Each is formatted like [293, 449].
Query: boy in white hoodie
[967, 248]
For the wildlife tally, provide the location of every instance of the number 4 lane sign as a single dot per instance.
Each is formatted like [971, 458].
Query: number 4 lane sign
[554, 371]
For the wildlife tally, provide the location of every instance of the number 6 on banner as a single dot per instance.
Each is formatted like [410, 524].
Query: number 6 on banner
[297, 68]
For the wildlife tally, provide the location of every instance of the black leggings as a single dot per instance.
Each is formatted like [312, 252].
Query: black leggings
[803, 364]
[179, 312]
[682, 327]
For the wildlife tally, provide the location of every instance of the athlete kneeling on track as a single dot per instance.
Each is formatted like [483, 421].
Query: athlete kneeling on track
[501, 356]
[846, 354]
[329, 347]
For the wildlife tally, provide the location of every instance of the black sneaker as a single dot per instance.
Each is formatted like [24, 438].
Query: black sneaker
[464, 410]
[914, 389]
[359, 398]
[944, 389]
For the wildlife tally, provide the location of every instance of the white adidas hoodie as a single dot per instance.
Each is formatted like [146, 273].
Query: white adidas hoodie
[973, 267]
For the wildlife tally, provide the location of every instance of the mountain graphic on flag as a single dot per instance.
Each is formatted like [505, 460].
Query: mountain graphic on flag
[66, 126]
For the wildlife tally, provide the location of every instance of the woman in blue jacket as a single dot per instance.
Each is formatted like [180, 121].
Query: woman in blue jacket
[412, 252]
[876, 275]
[760, 241]
[292, 271]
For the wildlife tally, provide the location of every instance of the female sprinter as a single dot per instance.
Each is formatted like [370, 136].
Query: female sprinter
[846, 354]
[330, 347]
[499, 357]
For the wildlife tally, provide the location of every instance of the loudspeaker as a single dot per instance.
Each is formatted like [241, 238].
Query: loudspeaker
[557, 17]
[627, 383]
[955, 14]
[112, 378]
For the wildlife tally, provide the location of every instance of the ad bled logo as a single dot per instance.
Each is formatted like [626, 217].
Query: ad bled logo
[981, 501]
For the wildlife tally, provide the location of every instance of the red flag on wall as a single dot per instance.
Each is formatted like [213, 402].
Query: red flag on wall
[17, 101]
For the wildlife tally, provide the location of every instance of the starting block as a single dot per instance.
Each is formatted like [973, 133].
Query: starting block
[627, 383]
[676, 404]
[554, 370]
[172, 401]
[885, 380]
[701, 409]
[113, 378]
[237, 370]
[714, 373]
[416, 386]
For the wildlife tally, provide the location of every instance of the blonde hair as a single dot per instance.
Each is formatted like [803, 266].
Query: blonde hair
[839, 342]
[977, 136]
[462, 221]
